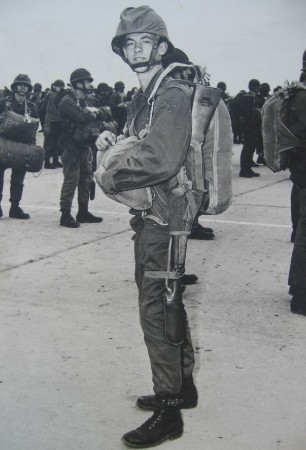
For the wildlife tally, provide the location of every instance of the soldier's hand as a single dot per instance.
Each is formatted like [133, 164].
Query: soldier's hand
[92, 111]
[105, 140]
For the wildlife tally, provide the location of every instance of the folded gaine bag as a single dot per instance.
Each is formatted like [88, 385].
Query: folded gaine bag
[140, 199]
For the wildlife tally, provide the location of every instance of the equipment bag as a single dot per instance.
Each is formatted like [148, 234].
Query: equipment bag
[140, 199]
[19, 128]
[17, 155]
[278, 140]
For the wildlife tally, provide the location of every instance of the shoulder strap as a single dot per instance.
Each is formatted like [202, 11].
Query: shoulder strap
[165, 73]
[160, 79]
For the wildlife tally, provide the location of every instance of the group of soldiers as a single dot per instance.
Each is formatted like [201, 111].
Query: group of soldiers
[245, 111]
[65, 125]
[71, 117]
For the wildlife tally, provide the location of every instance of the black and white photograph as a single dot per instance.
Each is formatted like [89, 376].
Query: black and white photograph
[153, 225]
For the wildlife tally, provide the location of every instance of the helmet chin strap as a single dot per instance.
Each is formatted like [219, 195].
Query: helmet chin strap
[148, 65]
[83, 89]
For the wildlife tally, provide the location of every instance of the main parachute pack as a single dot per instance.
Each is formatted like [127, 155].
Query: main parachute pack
[278, 139]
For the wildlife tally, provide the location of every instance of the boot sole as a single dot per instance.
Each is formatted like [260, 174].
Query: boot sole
[89, 221]
[170, 436]
[151, 408]
[70, 226]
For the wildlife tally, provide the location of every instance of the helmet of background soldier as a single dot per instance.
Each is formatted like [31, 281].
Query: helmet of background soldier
[304, 62]
[142, 19]
[177, 56]
[80, 75]
[119, 86]
[265, 88]
[103, 87]
[22, 79]
[221, 85]
[37, 87]
[254, 85]
[59, 83]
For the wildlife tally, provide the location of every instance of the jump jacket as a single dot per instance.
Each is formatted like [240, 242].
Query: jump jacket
[74, 117]
[10, 104]
[158, 156]
[297, 124]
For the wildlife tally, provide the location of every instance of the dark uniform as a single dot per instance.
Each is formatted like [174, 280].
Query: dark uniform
[251, 133]
[118, 107]
[161, 155]
[297, 166]
[77, 155]
[52, 130]
[17, 176]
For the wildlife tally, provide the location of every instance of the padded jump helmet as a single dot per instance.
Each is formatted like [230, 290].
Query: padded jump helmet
[142, 19]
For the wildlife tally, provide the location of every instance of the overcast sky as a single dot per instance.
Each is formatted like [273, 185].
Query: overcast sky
[235, 39]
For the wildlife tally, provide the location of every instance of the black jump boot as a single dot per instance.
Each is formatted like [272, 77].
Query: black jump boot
[67, 220]
[166, 423]
[49, 165]
[248, 174]
[189, 278]
[201, 233]
[298, 301]
[17, 213]
[84, 216]
[188, 394]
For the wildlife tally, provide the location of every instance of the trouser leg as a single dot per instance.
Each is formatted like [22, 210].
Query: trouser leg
[294, 207]
[48, 148]
[168, 362]
[297, 278]
[16, 190]
[86, 177]
[247, 152]
[1, 182]
[71, 171]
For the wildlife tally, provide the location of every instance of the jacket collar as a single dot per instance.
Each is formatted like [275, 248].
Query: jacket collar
[146, 93]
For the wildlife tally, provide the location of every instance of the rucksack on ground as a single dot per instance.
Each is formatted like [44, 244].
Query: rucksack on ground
[208, 185]
[278, 140]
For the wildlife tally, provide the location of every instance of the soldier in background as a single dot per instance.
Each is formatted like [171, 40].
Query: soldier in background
[75, 115]
[37, 95]
[264, 94]
[52, 124]
[225, 97]
[103, 93]
[18, 103]
[118, 105]
[250, 118]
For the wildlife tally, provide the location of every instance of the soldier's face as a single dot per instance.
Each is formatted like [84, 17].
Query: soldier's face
[22, 89]
[87, 85]
[138, 48]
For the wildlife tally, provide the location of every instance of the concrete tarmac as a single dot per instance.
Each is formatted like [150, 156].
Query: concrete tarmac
[72, 357]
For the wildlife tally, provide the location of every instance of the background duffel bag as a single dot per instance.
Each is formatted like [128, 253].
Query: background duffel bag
[17, 155]
[16, 128]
